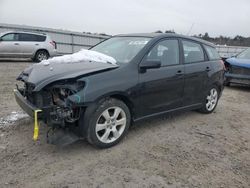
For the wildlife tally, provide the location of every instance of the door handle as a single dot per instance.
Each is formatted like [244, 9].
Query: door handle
[208, 69]
[36, 44]
[16, 43]
[179, 72]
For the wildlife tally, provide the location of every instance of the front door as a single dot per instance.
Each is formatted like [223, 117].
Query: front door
[9, 46]
[162, 88]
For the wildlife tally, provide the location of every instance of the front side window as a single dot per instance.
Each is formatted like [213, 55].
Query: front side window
[9, 37]
[167, 52]
[122, 49]
[193, 52]
[212, 53]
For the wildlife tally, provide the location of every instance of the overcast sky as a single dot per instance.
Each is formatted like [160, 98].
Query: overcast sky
[217, 17]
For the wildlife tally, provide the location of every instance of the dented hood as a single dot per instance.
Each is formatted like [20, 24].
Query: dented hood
[41, 74]
[239, 62]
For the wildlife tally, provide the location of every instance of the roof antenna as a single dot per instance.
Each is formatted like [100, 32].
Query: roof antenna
[190, 29]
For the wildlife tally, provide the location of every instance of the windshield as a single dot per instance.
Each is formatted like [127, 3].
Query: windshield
[245, 54]
[122, 49]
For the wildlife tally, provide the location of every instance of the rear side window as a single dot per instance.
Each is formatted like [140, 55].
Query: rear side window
[193, 52]
[26, 37]
[212, 53]
[31, 37]
[166, 51]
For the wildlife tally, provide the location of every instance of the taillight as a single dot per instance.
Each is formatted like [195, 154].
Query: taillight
[53, 43]
[223, 64]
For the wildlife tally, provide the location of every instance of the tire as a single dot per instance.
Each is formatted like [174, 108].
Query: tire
[210, 100]
[41, 55]
[106, 123]
[227, 83]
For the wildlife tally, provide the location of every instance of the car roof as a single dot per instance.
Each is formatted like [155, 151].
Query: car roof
[164, 35]
[26, 32]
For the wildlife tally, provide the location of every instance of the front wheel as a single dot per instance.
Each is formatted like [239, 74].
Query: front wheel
[108, 124]
[211, 100]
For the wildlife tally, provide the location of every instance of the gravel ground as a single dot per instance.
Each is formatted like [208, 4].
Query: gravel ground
[181, 150]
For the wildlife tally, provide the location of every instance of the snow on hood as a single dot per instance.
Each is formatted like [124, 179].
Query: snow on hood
[81, 56]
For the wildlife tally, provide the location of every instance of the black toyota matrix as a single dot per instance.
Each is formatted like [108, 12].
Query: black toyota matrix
[154, 74]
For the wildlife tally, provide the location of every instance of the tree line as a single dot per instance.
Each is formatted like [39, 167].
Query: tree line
[221, 40]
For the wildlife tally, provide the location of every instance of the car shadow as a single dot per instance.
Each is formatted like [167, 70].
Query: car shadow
[135, 129]
[239, 87]
[15, 60]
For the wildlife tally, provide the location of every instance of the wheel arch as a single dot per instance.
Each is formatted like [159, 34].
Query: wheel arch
[126, 101]
[40, 49]
[218, 85]
[122, 97]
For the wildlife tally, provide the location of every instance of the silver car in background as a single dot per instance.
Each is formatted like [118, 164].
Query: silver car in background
[36, 46]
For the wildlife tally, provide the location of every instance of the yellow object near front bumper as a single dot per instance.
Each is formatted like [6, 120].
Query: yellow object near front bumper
[36, 125]
[30, 109]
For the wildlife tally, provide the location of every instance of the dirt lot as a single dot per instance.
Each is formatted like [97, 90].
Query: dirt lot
[182, 150]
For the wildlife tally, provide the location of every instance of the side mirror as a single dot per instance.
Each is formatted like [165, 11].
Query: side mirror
[150, 64]
[1, 39]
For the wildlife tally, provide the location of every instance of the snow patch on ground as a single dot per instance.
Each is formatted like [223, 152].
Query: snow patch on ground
[81, 56]
[12, 118]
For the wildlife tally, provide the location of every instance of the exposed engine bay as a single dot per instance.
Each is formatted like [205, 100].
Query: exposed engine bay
[65, 111]
[58, 109]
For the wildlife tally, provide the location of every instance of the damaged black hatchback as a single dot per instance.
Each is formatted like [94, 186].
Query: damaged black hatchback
[97, 93]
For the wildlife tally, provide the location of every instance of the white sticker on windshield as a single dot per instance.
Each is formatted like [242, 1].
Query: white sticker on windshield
[139, 42]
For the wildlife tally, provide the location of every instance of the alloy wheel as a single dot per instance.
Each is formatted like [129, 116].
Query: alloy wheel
[42, 56]
[111, 124]
[212, 99]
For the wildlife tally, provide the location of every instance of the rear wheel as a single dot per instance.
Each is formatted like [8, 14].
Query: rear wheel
[211, 100]
[41, 55]
[108, 123]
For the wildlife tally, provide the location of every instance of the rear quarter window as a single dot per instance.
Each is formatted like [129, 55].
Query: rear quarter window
[212, 53]
[40, 38]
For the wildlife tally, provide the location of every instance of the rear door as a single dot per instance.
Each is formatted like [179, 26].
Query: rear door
[162, 88]
[197, 68]
[28, 43]
[9, 45]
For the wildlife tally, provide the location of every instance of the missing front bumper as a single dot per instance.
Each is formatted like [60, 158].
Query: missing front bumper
[29, 109]
[57, 136]
[26, 105]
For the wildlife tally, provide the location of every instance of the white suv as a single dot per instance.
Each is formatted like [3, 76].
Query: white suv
[36, 46]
